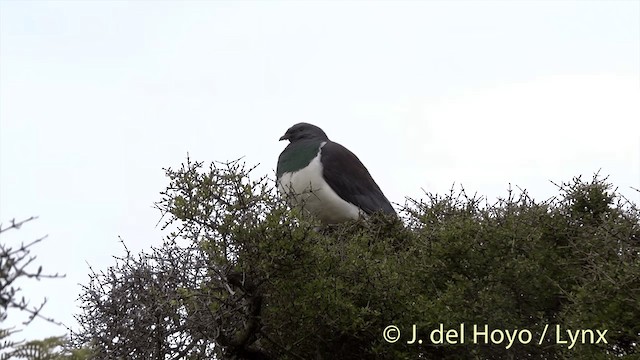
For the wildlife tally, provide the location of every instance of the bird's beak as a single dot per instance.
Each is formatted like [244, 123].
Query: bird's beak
[284, 137]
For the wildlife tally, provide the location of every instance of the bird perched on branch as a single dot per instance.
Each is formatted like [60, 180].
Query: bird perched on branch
[325, 178]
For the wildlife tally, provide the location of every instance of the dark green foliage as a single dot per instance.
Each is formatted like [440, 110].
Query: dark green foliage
[264, 283]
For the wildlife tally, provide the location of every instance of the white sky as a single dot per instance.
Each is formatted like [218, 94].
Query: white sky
[97, 96]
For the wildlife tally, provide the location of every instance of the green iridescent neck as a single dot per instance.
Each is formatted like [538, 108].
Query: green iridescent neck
[297, 156]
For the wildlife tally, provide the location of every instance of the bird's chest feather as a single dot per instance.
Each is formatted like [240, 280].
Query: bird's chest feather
[304, 180]
[307, 188]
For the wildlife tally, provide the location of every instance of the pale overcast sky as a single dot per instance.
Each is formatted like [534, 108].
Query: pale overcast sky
[97, 96]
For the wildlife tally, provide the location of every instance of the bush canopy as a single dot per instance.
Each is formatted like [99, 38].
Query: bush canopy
[243, 276]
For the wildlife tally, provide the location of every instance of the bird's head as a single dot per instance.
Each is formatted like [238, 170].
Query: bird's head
[303, 131]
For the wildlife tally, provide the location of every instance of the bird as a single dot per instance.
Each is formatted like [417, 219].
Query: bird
[326, 179]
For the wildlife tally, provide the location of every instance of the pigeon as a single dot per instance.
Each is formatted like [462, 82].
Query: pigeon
[326, 179]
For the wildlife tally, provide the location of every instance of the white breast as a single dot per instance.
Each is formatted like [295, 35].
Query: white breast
[308, 189]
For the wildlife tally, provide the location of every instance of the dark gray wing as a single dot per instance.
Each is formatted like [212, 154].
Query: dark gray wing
[348, 177]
